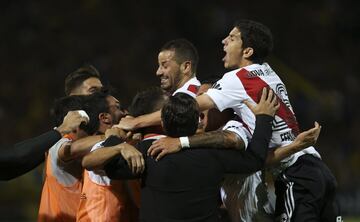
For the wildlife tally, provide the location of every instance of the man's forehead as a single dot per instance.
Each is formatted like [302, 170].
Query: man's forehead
[235, 32]
[166, 55]
[112, 99]
[92, 81]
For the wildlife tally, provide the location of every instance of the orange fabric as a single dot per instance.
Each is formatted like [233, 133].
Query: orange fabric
[58, 202]
[106, 202]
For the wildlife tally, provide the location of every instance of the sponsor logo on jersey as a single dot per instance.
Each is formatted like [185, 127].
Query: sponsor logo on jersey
[281, 92]
[288, 136]
[259, 72]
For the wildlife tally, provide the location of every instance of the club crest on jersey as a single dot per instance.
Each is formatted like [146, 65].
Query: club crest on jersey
[216, 86]
[280, 90]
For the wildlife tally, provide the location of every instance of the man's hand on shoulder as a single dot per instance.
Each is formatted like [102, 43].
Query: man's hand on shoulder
[164, 146]
[267, 105]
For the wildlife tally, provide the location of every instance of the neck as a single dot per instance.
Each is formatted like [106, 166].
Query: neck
[103, 128]
[184, 80]
[244, 63]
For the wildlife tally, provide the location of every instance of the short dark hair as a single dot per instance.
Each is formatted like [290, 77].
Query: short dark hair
[256, 36]
[147, 101]
[65, 104]
[95, 104]
[180, 115]
[184, 51]
[76, 78]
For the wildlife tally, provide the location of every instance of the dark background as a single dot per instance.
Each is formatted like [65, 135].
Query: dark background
[315, 54]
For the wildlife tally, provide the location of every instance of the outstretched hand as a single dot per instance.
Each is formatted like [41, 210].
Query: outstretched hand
[267, 105]
[308, 138]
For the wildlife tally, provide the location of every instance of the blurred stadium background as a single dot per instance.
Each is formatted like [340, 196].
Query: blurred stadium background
[316, 53]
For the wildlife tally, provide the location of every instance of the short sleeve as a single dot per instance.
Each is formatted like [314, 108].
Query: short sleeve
[228, 92]
[237, 128]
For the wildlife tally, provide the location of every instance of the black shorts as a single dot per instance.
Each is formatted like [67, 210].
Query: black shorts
[306, 191]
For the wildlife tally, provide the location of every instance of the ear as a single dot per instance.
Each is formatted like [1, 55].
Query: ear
[105, 118]
[248, 52]
[162, 124]
[186, 67]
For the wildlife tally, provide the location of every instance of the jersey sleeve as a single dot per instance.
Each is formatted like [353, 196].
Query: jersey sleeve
[237, 128]
[228, 92]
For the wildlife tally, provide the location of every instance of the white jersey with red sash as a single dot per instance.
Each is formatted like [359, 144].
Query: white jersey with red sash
[229, 92]
[246, 84]
[191, 87]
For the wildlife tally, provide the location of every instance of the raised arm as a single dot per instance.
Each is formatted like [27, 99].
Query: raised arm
[153, 119]
[302, 141]
[79, 148]
[131, 123]
[205, 102]
[26, 155]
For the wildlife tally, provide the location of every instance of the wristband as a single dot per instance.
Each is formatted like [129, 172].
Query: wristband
[184, 142]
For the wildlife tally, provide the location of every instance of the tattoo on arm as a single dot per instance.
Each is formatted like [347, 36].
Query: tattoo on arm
[221, 139]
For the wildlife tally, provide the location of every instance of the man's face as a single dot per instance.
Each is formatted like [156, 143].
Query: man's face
[89, 86]
[233, 49]
[169, 71]
[115, 109]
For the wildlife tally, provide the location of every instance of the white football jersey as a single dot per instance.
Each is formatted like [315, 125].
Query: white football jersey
[191, 87]
[246, 84]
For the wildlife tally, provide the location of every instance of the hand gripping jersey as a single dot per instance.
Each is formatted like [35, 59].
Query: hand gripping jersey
[246, 84]
[191, 87]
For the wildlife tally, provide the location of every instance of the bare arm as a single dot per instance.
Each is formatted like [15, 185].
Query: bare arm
[98, 158]
[131, 123]
[153, 119]
[217, 139]
[79, 148]
[205, 102]
[220, 139]
[302, 141]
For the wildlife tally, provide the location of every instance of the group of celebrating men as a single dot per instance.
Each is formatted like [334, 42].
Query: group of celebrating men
[180, 151]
